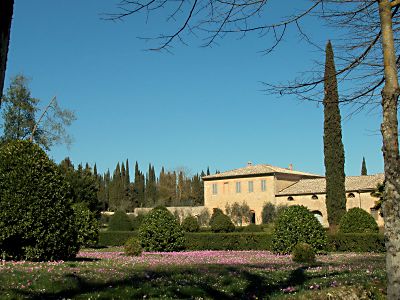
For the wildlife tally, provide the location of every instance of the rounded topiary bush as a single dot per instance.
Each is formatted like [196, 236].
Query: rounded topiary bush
[133, 247]
[36, 219]
[222, 223]
[303, 253]
[120, 221]
[190, 224]
[160, 231]
[216, 212]
[357, 220]
[294, 225]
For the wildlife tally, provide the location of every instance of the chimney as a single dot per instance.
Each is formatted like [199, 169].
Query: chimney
[290, 167]
[249, 163]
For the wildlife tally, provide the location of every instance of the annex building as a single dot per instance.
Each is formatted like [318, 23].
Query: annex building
[259, 184]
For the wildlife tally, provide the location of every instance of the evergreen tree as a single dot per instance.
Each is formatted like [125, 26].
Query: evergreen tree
[151, 187]
[333, 146]
[364, 168]
[208, 171]
[95, 170]
[138, 187]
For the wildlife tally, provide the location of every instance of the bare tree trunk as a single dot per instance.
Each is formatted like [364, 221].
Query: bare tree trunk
[6, 13]
[389, 129]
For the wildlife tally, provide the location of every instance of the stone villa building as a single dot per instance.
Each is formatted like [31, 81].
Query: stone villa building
[259, 184]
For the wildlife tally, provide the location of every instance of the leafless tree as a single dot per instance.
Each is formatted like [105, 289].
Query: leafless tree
[6, 13]
[367, 55]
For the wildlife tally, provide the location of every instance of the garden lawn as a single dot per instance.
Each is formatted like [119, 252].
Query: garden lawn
[109, 274]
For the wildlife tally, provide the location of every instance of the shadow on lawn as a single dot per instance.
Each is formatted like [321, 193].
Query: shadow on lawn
[147, 283]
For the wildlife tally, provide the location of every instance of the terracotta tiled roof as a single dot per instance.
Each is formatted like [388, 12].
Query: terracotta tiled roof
[256, 170]
[315, 186]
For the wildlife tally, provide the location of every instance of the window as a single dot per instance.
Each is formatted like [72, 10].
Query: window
[350, 195]
[314, 197]
[290, 198]
[263, 185]
[238, 187]
[214, 189]
[251, 189]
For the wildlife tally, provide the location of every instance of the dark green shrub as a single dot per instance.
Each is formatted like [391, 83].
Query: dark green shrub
[120, 221]
[115, 238]
[133, 247]
[36, 219]
[222, 223]
[160, 231]
[357, 242]
[228, 241]
[303, 253]
[357, 220]
[86, 224]
[297, 224]
[216, 212]
[104, 220]
[252, 228]
[137, 221]
[190, 224]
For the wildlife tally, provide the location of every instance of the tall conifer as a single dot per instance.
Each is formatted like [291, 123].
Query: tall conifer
[333, 146]
[364, 168]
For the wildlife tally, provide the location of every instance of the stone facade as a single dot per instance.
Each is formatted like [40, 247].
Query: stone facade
[259, 184]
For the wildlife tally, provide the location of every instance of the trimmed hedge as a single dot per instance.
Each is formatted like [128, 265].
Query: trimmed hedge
[228, 241]
[358, 242]
[115, 238]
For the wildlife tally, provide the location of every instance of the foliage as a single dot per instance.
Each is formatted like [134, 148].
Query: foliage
[238, 213]
[86, 224]
[357, 242]
[270, 212]
[333, 146]
[204, 217]
[133, 247]
[216, 212]
[115, 238]
[161, 232]
[190, 224]
[120, 222]
[364, 171]
[297, 224]
[36, 219]
[379, 193]
[303, 253]
[252, 228]
[137, 220]
[83, 184]
[357, 220]
[20, 122]
[222, 223]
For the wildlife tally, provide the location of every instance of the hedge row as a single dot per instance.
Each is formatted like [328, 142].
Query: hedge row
[353, 242]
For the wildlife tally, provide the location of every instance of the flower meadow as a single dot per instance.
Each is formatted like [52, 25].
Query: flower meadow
[109, 274]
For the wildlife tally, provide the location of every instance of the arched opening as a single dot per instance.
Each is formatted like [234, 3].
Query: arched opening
[314, 197]
[318, 215]
[350, 195]
[290, 198]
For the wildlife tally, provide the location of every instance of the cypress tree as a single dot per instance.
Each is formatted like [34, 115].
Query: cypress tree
[208, 171]
[138, 187]
[333, 146]
[364, 168]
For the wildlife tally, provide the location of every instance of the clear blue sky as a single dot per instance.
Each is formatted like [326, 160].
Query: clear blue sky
[196, 108]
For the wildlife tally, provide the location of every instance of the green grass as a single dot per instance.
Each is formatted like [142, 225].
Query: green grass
[108, 274]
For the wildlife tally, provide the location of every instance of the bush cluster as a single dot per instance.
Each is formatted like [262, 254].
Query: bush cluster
[222, 223]
[303, 253]
[160, 231]
[36, 219]
[297, 224]
[190, 224]
[120, 221]
[252, 228]
[357, 220]
[270, 212]
[133, 247]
